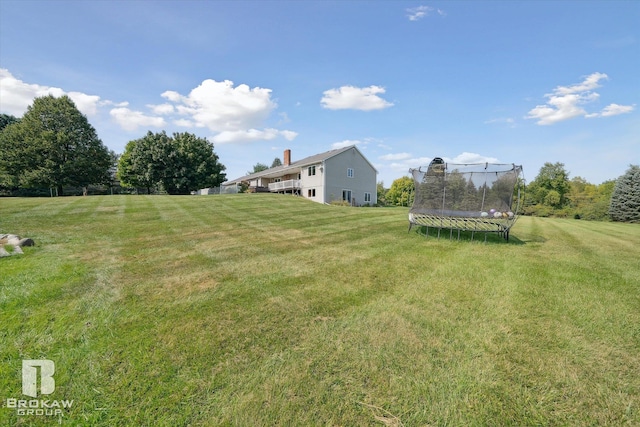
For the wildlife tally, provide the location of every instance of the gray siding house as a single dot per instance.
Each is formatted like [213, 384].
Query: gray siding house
[341, 174]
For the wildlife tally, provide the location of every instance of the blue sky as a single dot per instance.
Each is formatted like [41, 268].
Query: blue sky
[508, 81]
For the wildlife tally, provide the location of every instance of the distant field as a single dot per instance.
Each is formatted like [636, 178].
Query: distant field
[264, 310]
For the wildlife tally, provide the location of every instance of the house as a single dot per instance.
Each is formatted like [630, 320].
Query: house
[341, 174]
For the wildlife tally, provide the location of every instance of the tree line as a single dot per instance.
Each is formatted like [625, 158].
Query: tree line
[553, 194]
[53, 146]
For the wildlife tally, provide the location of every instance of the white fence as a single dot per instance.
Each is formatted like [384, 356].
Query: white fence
[290, 184]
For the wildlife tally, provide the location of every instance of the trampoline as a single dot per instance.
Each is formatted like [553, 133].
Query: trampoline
[476, 197]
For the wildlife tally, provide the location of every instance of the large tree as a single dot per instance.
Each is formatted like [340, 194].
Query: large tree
[401, 192]
[551, 187]
[53, 146]
[139, 165]
[179, 164]
[625, 199]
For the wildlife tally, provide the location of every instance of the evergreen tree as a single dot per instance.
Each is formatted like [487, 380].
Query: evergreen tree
[276, 162]
[625, 199]
[258, 167]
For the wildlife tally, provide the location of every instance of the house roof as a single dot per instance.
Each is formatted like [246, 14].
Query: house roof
[294, 166]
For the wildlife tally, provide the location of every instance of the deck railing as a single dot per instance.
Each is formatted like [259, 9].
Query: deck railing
[290, 184]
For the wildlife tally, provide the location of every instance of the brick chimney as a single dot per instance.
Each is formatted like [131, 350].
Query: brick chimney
[287, 157]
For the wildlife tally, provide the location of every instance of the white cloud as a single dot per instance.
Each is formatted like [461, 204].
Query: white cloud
[284, 118]
[132, 120]
[16, 96]
[234, 113]
[466, 157]
[289, 135]
[184, 123]
[113, 104]
[397, 156]
[87, 104]
[249, 135]
[402, 162]
[502, 120]
[219, 106]
[355, 98]
[161, 109]
[417, 13]
[613, 110]
[172, 96]
[589, 83]
[565, 102]
[348, 143]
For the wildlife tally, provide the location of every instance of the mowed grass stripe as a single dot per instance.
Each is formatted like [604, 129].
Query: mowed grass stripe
[272, 310]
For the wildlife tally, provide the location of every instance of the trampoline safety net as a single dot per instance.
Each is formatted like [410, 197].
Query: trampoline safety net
[479, 197]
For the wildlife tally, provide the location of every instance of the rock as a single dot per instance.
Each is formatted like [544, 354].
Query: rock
[16, 242]
[13, 240]
[26, 242]
[3, 252]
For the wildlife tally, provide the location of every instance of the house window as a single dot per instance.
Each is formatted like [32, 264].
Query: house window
[312, 170]
[311, 192]
[367, 197]
[349, 172]
[277, 180]
[346, 195]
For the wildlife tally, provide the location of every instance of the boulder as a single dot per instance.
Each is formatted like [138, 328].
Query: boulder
[13, 240]
[16, 242]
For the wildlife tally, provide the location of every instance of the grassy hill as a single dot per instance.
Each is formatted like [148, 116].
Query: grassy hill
[261, 310]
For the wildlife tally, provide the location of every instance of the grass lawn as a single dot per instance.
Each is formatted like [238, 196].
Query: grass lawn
[263, 310]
